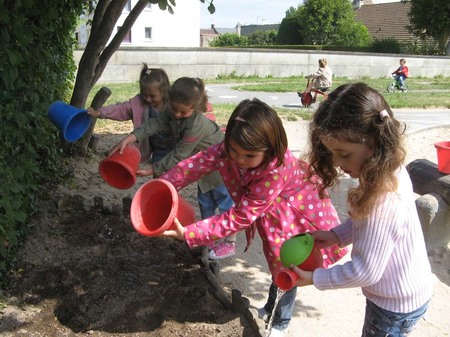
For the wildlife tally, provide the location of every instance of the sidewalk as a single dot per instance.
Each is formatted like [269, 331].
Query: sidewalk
[338, 312]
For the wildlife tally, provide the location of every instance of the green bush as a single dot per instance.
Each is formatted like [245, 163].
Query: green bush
[37, 67]
[289, 32]
[229, 40]
[388, 45]
[263, 37]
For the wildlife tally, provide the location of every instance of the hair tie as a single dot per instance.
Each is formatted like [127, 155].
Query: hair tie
[240, 119]
[384, 114]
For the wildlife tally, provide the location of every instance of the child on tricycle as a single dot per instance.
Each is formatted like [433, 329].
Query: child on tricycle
[319, 83]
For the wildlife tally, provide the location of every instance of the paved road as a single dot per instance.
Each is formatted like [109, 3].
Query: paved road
[415, 119]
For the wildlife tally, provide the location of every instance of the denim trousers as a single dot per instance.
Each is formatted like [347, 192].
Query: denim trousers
[401, 79]
[283, 312]
[379, 322]
[216, 198]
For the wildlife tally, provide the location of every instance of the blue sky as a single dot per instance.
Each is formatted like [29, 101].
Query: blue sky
[230, 12]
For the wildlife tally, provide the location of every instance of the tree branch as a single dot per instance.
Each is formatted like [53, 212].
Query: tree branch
[118, 38]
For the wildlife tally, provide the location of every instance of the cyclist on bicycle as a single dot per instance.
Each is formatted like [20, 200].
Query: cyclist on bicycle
[401, 74]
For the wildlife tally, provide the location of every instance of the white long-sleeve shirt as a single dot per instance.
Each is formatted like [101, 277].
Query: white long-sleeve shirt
[389, 260]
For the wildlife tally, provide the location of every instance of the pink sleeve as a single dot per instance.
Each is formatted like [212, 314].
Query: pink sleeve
[121, 111]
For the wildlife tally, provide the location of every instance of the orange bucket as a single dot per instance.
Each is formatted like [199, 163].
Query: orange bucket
[286, 279]
[443, 156]
[155, 205]
[119, 170]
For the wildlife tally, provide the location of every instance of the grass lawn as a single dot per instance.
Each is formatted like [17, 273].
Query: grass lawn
[423, 93]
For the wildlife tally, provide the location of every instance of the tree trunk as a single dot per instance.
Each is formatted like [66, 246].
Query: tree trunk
[100, 98]
[96, 56]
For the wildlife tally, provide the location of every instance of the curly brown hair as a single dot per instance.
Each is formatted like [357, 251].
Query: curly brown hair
[351, 113]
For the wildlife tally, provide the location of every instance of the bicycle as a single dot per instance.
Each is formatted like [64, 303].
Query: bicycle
[396, 85]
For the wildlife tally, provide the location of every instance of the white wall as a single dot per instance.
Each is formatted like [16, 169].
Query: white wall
[181, 29]
[126, 64]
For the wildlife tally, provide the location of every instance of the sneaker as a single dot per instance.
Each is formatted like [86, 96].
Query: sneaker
[277, 333]
[263, 314]
[222, 250]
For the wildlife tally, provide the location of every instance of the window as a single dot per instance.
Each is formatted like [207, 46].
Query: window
[127, 37]
[128, 6]
[149, 6]
[148, 33]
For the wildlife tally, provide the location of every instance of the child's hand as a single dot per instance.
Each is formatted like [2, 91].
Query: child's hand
[177, 233]
[123, 143]
[325, 239]
[92, 112]
[304, 277]
[145, 172]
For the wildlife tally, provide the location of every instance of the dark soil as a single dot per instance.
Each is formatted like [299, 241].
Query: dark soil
[88, 272]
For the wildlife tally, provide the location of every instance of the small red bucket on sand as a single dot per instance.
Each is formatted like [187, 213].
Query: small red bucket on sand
[155, 205]
[119, 170]
[443, 156]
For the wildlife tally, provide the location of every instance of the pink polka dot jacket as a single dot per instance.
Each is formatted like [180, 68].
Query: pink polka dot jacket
[278, 202]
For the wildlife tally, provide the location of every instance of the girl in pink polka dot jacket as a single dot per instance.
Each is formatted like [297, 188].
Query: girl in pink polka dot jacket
[271, 190]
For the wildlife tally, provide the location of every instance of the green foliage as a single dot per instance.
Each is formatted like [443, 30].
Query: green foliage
[37, 67]
[229, 40]
[431, 18]
[289, 32]
[263, 37]
[327, 22]
[422, 47]
[387, 45]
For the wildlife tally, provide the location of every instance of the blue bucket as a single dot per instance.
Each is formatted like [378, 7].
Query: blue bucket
[72, 122]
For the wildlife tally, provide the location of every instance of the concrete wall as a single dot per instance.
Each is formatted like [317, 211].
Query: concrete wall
[125, 64]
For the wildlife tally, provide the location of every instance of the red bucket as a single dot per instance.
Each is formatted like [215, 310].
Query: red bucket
[155, 205]
[119, 170]
[302, 251]
[443, 156]
[286, 279]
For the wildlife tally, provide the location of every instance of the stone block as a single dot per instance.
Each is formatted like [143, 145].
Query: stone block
[434, 217]
[426, 179]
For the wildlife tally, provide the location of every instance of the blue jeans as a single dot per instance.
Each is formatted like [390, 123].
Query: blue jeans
[216, 198]
[283, 312]
[379, 322]
[401, 79]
